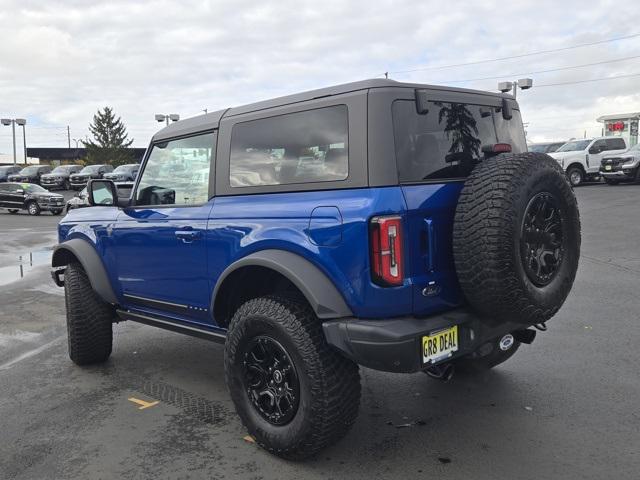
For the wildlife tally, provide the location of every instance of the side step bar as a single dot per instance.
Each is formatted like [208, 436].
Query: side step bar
[172, 326]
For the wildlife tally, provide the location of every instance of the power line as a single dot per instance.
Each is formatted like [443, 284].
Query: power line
[539, 52]
[542, 71]
[588, 81]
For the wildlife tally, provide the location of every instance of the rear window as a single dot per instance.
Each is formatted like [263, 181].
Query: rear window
[447, 141]
[616, 144]
[301, 147]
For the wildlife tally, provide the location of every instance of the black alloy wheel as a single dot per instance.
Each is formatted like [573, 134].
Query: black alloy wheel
[541, 247]
[271, 380]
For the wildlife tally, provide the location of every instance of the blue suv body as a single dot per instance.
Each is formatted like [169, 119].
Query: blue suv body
[343, 199]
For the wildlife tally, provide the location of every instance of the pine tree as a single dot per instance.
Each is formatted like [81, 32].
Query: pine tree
[110, 140]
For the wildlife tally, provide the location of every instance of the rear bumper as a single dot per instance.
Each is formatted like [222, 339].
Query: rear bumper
[394, 345]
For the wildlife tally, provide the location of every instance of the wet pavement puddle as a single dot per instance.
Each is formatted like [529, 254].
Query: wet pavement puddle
[24, 264]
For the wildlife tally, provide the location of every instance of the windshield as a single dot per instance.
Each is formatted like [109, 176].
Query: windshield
[91, 169]
[62, 169]
[574, 146]
[541, 148]
[32, 188]
[29, 170]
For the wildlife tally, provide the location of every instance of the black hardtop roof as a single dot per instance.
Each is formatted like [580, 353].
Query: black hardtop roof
[211, 120]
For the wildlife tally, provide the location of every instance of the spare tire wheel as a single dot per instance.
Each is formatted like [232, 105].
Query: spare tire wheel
[516, 238]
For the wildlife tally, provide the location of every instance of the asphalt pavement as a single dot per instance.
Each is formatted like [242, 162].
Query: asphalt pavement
[565, 407]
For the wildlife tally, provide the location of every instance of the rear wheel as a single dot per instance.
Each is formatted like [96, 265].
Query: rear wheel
[33, 208]
[89, 319]
[294, 394]
[575, 176]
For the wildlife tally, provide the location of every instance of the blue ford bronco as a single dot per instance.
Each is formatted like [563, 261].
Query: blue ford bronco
[396, 226]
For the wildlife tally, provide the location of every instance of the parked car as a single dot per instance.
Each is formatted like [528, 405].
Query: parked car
[545, 147]
[124, 173]
[59, 177]
[30, 197]
[81, 199]
[79, 180]
[6, 170]
[622, 168]
[383, 254]
[581, 158]
[30, 174]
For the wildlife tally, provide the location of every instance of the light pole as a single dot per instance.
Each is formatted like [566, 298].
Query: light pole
[523, 83]
[23, 122]
[174, 117]
[12, 122]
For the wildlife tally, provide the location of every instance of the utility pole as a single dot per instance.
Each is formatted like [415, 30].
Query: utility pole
[68, 136]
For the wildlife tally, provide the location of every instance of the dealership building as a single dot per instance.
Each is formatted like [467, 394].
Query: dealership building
[621, 125]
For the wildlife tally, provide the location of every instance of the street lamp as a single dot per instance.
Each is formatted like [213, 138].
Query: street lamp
[523, 83]
[22, 122]
[174, 117]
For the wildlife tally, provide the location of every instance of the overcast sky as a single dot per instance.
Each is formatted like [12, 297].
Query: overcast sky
[60, 60]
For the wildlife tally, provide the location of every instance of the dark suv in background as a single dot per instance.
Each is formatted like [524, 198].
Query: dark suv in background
[6, 170]
[59, 177]
[90, 172]
[124, 173]
[30, 174]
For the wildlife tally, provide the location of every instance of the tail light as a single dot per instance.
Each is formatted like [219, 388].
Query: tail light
[386, 250]
[496, 148]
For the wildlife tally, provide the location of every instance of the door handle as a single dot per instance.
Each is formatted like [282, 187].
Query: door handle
[188, 236]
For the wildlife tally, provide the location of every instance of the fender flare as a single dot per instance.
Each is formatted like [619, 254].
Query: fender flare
[325, 299]
[84, 252]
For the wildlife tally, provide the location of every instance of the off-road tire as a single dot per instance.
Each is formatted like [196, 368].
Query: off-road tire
[329, 383]
[576, 176]
[487, 232]
[33, 208]
[89, 319]
[476, 363]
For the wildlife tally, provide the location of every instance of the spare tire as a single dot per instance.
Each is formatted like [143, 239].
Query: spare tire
[516, 238]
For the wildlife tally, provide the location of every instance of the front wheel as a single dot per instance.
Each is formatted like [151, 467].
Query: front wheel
[294, 394]
[89, 319]
[33, 208]
[575, 176]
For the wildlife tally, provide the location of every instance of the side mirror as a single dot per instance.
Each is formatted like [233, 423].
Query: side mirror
[102, 192]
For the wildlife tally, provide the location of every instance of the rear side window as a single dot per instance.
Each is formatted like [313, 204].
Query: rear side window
[616, 144]
[446, 142]
[301, 147]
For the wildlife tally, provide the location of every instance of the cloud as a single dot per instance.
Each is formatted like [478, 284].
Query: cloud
[61, 61]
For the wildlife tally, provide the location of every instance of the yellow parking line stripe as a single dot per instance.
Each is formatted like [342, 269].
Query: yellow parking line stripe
[142, 403]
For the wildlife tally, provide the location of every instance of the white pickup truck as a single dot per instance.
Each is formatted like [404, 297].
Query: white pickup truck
[581, 159]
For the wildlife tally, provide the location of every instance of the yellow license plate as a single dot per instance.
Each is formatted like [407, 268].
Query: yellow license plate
[607, 167]
[439, 345]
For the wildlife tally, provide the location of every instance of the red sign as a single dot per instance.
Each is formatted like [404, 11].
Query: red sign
[615, 126]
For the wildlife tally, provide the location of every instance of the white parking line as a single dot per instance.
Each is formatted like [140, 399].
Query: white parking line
[30, 353]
